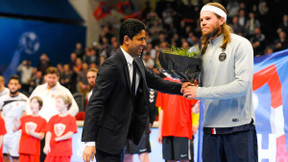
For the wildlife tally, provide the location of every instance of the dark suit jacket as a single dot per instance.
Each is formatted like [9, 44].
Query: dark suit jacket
[113, 113]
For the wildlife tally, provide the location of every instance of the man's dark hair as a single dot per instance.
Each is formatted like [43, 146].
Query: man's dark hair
[14, 77]
[130, 27]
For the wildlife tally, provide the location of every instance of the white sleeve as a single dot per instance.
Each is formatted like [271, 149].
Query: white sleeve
[1, 104]
[26, 103]
[74, 109]
[34, 93]
[89, 143]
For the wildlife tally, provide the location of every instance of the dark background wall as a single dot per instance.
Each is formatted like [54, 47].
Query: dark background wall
[30, 28]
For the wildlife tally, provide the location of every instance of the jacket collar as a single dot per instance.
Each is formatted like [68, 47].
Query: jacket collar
[123, 60]
[127, 56]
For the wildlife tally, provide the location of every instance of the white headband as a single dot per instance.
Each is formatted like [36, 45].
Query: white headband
[214, 9]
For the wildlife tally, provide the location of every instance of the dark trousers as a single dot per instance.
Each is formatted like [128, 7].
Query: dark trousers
[102, 156]
[232, 147]
[42, 154]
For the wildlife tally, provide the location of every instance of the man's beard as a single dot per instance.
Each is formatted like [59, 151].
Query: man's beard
[51, 85]
[91, 86]
[15, 92]
[212, 34]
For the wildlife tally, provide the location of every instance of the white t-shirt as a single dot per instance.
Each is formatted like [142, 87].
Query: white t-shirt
[49, 100]
[12, 108]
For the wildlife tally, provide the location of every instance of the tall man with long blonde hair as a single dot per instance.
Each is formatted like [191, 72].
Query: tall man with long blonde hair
[229, 130]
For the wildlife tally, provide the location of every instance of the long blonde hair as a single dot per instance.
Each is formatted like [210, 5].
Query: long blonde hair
[226, 30]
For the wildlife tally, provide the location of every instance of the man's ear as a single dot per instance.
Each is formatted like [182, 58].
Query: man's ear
[126, 39]
[222, 21]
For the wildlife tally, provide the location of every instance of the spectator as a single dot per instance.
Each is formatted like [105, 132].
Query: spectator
[167, 15]
[60, 68]
[263, 8]
[113, 39]
[86, 54]
[35, 69]
[107, 33]
[258, 42]
[93, 57]
[151, 50]
[156, 28]
[251, 24]
[242, 6]
[44, 63]
[34, 73]
[115, 46]
[72, 62]
[268, 51]
[93, 65]
[102, 59]
[255, 10]
[281, 43]
[160, 39]
[232, 8]
[284, 24]
[78, 66]
[25, 69]
[148, 61]
[66, 76]
[95, 46]
[36, 81]
[106, 48]
[182, 29]
[185, 44]
[242, 18]
[79, 51]
[192, 39]
[91, 77]
[175, 40]
[83, 86]
[237, 28]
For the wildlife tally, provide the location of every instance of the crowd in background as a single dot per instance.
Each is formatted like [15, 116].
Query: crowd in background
[171, 23]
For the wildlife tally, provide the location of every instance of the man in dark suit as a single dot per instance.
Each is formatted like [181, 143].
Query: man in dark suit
[115, 112]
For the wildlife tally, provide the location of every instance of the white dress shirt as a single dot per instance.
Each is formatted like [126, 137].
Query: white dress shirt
[129, 60]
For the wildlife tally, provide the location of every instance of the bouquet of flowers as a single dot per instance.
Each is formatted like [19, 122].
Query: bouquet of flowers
[182, 63]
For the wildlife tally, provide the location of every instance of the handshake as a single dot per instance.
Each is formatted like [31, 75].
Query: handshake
[189, 90]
